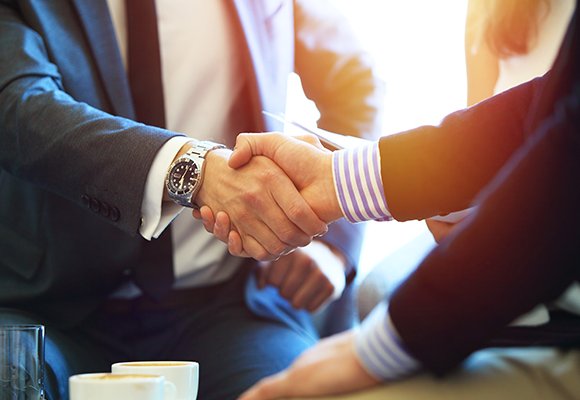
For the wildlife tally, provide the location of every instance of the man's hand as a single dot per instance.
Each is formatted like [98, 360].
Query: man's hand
[263, 204]
[308, 278]
[330, 367]
[302, 159]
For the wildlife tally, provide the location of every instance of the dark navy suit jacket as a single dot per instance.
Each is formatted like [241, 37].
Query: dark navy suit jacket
[73, 164]
[521, 152]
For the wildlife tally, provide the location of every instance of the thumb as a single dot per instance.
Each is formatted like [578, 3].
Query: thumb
[257, 144]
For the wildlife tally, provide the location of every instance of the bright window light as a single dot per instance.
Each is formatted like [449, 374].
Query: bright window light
[418, 47]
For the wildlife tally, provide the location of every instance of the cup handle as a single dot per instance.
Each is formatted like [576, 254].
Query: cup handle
[170, 392]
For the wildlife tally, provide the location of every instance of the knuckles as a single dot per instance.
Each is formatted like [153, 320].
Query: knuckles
[293, 237]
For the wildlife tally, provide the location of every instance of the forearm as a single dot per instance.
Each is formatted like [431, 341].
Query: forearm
[62, 144]
[434, 170]
[518, 250]
[72, 149]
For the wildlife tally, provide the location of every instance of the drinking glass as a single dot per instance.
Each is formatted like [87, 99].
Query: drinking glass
[21, 362]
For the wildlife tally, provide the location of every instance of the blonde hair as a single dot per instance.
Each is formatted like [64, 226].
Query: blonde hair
[510, 27]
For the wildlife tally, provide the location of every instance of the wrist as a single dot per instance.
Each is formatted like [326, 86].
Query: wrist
[214, 161]
[320, 193]
[334, 211]
[186, 173]
[395, 362]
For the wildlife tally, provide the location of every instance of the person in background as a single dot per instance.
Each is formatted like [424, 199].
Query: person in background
[113, 117]
[511, 42]
[508, 43]
[516, 156]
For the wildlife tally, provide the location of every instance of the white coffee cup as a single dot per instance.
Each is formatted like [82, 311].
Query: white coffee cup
[183, 374]
[100, 386]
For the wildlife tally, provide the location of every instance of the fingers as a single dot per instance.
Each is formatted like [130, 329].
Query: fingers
[280, 219]
[299, 280]
[235, 246]
[258, 213]
[323, 296]
[222, 229]
[196, 214]
[273, 387]
[329, 368]
[275, 272]
[222, 226]
[311, 139]
[248, 145]
[262, 204]
[298, 211]
[208, 218]
[313, 292]
[242, 153]
[277, 205]
[296, 276]
[254, 249]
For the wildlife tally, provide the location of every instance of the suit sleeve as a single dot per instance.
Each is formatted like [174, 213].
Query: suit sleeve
[519, 249]
[65, 146]
[434, 170]
[339, 77]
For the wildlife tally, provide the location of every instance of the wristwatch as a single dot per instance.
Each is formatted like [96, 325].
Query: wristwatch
[185, 174]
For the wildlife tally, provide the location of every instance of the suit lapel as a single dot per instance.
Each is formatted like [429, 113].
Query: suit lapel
[249, 40]
[96, 21]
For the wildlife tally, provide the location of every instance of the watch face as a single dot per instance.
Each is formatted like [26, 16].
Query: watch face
[183, 177]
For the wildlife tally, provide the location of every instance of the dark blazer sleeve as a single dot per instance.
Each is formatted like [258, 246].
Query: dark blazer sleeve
[52, 140]
[434, 170]
[338, 75]
[521, 247]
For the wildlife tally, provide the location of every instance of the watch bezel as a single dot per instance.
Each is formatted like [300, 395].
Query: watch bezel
[183, 160]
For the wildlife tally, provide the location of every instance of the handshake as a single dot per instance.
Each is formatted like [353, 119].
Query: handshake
[277, 194]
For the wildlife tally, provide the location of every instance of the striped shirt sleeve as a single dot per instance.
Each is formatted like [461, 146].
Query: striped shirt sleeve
[380, 348]
[358, 184]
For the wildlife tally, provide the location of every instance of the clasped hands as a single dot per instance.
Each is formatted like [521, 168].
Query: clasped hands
[272, 195]
[277, 195]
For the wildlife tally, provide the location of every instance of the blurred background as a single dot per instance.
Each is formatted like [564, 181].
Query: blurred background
[418, 48]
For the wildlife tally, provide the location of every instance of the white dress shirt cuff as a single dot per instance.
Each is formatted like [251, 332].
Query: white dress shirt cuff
[156, 215]
[380, 348]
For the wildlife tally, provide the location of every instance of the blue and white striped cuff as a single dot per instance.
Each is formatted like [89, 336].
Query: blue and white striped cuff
[380, 348]
[358, 184]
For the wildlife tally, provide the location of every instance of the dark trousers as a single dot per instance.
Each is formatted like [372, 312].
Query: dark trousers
[210, 325]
